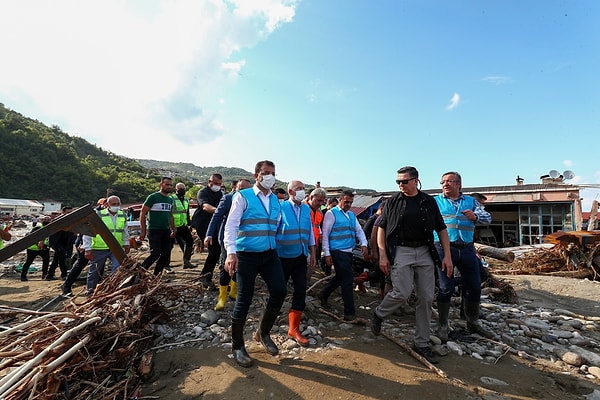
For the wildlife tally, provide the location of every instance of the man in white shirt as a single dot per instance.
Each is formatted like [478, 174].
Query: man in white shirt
[341, 231]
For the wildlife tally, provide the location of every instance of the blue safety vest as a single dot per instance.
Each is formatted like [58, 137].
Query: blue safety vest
[258, 226]
[292, 237]
[343, 234]
[460, 228]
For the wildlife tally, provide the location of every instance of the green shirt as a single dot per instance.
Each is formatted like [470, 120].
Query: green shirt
[160, 211]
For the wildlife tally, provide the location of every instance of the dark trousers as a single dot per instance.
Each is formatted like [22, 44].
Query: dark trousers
[296, 268]
[75, 271]
[31, 255]
[184, 238]
[466, 261]
[344, 278]
[160, 249]
[59, 260]
[214, 253]
[267, 265]
[224, 277]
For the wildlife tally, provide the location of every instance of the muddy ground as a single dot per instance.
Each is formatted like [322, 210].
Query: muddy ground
[360, 367]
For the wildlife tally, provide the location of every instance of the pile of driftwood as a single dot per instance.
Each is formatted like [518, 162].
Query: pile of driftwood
[499, 290]
[571, 256]
[97, 349]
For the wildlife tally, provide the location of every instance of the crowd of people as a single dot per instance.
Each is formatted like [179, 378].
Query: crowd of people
[411, 246]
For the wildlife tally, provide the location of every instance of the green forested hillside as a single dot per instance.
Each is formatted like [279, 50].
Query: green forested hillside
[200, 174]
[44, 163]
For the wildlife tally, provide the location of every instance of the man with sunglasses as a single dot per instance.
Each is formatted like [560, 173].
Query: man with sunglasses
[407, 252]
[460, 213]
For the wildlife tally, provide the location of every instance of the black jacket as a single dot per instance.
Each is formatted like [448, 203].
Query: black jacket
[392, 219]
[201, 218]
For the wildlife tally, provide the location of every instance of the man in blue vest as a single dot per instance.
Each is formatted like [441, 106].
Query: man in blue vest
[295, 241]
[251, 250]
[181, 219]
[460, 213]
[97, 251]
[341, 231]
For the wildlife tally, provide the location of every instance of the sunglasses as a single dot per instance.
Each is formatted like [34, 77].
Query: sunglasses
[403, 181]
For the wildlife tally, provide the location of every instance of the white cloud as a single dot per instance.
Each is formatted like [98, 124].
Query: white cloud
[122, 72]
[454, 101]
[568, 163]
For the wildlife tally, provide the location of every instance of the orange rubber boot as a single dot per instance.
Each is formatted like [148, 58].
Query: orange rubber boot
[294, 331]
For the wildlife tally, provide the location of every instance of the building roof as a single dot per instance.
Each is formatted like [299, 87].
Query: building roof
[362, 202]
[20, 202]
[537, 187]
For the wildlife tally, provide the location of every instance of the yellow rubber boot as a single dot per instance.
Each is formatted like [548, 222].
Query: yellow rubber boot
[222, 298]
[233, 290]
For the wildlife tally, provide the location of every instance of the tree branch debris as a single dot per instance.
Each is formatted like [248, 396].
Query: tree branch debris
[99, 347]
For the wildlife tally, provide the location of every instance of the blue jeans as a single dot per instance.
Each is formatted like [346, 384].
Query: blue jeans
[296, 268]
[160, 249]
[344, 278]
[97, 264]
[467, 263]
[250, 265]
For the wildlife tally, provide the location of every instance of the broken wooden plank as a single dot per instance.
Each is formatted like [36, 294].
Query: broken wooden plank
[81, 220]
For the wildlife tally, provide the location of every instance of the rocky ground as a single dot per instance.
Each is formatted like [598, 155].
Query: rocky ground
[546, 347]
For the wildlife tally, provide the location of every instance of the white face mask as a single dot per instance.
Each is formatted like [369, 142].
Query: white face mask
[114, 209]
[267, 181]
[300, 195]
[215, 188]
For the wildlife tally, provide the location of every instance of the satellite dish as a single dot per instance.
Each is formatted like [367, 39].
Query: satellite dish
[568, 174]
[554, 174]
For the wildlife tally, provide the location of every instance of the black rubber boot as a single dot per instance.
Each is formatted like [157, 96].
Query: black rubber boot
[262, 334]
[443, 311]
[473, 325]
[24, 271]
[237, 344]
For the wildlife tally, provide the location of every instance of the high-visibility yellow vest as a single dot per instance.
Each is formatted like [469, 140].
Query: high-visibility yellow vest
[117, 231]
[180, 211]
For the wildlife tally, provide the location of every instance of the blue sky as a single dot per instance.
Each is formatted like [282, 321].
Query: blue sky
[342, 92]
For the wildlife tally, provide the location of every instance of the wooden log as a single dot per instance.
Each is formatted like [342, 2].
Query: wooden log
[593, 216]
[495, 252]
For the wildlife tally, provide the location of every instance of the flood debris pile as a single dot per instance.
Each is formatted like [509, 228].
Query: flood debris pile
[573, 255]
[95, 348]
[499, 290]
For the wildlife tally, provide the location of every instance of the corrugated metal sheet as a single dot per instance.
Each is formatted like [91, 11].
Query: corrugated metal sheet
[362, 202]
